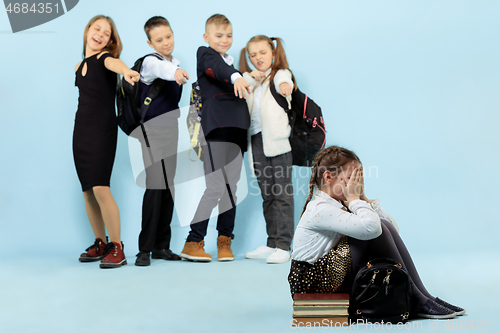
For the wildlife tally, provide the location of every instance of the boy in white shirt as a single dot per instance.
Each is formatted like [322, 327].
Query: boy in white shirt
[161, 124]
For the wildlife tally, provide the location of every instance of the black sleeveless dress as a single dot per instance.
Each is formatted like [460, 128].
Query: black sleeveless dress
[96, 128]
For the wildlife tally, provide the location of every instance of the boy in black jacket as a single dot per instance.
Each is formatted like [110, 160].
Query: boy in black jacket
[225, 120]
[162, 134]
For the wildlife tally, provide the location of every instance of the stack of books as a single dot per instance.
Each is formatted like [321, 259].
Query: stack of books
[321, 310]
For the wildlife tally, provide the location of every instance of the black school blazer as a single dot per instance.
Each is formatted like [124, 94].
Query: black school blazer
[220, 106]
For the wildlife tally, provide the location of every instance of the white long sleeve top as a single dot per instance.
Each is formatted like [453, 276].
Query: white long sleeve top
[154, 68]
[256, 123]
[326, 220]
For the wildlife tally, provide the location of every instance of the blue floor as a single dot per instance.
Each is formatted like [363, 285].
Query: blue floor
[59, 294]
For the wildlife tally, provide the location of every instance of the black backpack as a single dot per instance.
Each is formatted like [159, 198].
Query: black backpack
[381, 291]
[132, 111]
[308, 135]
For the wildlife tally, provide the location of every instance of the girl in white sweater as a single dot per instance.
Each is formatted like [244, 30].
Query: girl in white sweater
[338, 221]
[269, 151]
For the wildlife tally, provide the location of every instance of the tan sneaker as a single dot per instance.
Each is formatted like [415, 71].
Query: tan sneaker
[194, 251]
[224, 246]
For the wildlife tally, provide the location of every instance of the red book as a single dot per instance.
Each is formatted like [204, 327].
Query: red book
[321, 296]
[335, 299]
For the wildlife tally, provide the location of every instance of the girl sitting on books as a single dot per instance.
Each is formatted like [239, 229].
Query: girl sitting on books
[340, 230]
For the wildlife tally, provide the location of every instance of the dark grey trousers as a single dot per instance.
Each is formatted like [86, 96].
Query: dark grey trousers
[223, 158]
[274, 175]
[160, 161]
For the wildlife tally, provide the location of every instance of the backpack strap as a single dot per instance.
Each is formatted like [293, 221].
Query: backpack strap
[180, 93]
[153, 92]
[282, 101]
[159, 57]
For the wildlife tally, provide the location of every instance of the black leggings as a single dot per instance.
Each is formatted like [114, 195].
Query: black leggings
[388, 245]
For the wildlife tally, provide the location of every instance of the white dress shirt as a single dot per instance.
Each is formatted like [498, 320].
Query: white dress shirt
[326, 220]
[230, 60]
[154, 68]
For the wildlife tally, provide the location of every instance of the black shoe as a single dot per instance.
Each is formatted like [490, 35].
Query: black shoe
[433, 310]
[143, 259]
[458, 310]
[165, 254]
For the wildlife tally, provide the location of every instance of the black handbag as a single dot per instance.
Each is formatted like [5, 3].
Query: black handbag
[381, 291]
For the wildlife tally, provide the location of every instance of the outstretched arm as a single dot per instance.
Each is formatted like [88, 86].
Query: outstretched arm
[153, 68]
[283, 82]
[212, 64]
[241, 88]
[257, 75]
[181, 76]
[285, 89]
[117, 66]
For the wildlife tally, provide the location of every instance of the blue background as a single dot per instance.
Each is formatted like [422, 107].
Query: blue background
[411, 86]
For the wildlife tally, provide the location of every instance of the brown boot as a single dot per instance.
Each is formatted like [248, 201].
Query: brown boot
[94, 252]
[224, 247]
[115, 257]
[194, 251]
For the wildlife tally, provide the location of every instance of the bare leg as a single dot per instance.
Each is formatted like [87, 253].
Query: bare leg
[109, 212]
[94, 215]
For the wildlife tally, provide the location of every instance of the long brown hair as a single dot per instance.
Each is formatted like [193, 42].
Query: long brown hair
[115, 47]
[279, 62]
[332, 159]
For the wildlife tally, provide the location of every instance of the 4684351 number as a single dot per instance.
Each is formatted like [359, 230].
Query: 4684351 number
[36, 8]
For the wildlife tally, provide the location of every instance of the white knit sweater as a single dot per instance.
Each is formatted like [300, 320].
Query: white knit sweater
[274, 120]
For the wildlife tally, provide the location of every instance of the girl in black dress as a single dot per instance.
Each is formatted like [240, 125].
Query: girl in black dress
[95, 136]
